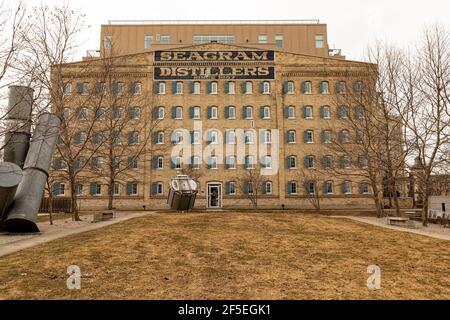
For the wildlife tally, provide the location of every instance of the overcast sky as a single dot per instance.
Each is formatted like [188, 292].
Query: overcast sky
[352, 24]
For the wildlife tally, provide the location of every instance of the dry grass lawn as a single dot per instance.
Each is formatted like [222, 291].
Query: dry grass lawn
[232, 256]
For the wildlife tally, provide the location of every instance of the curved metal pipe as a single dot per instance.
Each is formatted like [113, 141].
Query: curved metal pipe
[10, 177]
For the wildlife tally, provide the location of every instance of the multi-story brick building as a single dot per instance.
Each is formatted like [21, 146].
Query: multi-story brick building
[228, 99]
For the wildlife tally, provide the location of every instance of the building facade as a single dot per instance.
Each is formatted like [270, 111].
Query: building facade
[216, 112]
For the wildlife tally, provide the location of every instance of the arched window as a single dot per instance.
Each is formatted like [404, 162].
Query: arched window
[230, 112]
[290, 112]
[177, 113]
[360, 112]
[291, 136]
[308, 112]
[329, 187]
[265, 87]
[213, 112]
[292, 187]
[364, 187]
[344, 136]
[347, 187]
[161, 88]
[309, 136]
[160, 137]
[289, 87]
[248, 112]
[268, 187]
[341, 87]
[325, 112]
[160, 113]
[324, 87]
[327, 162]
[267, 162]
[230, 162]
[265, 112]
[248, 87]
[196, 88]
[266, 136]
[213, 88]
[343, 112]
[326, 136]
[249, 137]
[310, 187]
[309, 162]
[179, 87]
[307, 87]
[292, 162]
[249, 162]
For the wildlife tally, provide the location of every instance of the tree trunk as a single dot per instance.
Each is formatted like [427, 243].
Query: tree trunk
[425, 210]
[111, 194]
[74, 199]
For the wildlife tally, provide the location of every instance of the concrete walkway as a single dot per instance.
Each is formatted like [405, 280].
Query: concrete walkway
[433, 230]
[10, 243]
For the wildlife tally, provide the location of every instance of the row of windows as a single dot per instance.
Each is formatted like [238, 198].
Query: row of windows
[212, 112]
[118, 88]
[131, 188]
[97, 162]
[249, 137]
[306, 87]
[212, 162]
[200, 39]
[82, 113]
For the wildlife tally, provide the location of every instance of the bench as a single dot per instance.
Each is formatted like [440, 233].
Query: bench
[397, 221]
[103, 216]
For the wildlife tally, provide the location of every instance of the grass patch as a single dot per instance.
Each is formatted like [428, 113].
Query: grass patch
[232, 256]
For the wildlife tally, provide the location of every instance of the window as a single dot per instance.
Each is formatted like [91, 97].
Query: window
[107, 42]
[97, 138]
[308, 112]
[364, 187]
[195, 137]
[329, 187]
[248, 87]
[324, 87]
[179, 87]
[96, 163]
[363, 163]
[159, 188]
[347, 187]
[326, 136]
[292, 162]
[159, 137]
[291, 136]
[116, 138]
[292, 187]
[311, 187]
[177, 162]
[134, 113]
[357, 86]
[267, 162]
[165, 39]
[289, 87]
[341, 87]
[248, 137]
[230, 112]
[230, 162]
[160, 113]
[148, 41]
[196, 88]
[116, 189]
[230, 87]
[199, 39]
[212, 112]
[67, 89]
[161, 89]
[265, 112]
[79, 163]
[344, 136]
[116, 113]
[290, 112]
[266, 136]
[177, 113]
[345, 162]
[99, 113]
[196, 162]
[83, 88]
[115, 162]
[59, 189]
[307, 87]
[325, 112]
[249, 162]
[58, 164]
[248, 112]
[230, 136]
[343, 112]
[117, 88]
[231, 188]
[81, 113]
[309, 162]
[66, 113]
[136, 88]
[360, 112]
[327, 162]
[80, 137]
[79, 189]
[268, 187]
[309, 136]
[262, 38]
[214, 137]
[177, 137]
[279, 41]
[250, 187]
[133, 137]
[132, 188]
[265, 87]
[213, 87]
[195, 112]
[160, 162]
[132, 162]
[319, 41]
[213, 163]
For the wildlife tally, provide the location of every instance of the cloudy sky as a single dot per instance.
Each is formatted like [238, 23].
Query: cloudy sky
[352, 24]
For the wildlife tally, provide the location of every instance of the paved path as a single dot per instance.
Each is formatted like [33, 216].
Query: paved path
[433, 230]
[10, 243]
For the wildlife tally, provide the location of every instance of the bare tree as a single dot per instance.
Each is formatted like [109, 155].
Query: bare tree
[312, 179]
[249, 183]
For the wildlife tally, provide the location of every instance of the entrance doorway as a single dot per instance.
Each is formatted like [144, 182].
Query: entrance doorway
[214, 196]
